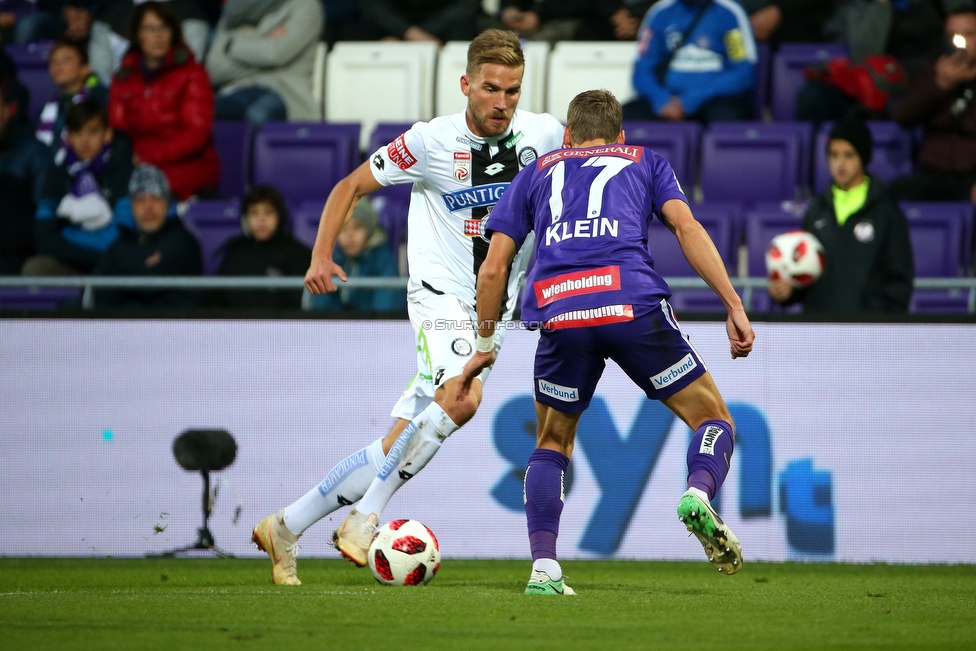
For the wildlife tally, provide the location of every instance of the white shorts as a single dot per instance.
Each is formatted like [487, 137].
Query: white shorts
[445, 331]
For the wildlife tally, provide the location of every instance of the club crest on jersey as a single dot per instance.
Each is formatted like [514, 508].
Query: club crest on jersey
[526, 155]
[462, 165]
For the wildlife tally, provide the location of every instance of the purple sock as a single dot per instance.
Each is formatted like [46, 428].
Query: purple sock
[710, 456]
[544, 500]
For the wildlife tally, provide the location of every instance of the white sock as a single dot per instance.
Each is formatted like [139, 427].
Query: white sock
[344, 485]
[700, 493]
[550, 566]
[417, 445]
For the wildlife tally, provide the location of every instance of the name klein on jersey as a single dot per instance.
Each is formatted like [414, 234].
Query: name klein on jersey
[596, 227]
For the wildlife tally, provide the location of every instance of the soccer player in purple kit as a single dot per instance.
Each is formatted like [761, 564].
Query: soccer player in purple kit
[595, 295]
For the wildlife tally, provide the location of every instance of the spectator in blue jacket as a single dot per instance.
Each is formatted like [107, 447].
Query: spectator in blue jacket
[363, 250]
[697, 61]
[24, 165]
[76, 217]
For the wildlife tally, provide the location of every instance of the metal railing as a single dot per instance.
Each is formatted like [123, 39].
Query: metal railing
[90, 283]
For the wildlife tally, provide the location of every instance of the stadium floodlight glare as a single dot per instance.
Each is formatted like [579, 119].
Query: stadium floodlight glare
[204, 450]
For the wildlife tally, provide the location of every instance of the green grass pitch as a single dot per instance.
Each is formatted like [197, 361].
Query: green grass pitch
[231, 604]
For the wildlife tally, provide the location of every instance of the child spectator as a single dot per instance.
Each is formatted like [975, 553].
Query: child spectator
[24, 164]
[162, 99]
[264, 249]
[69, 68]
[262, 58]
[75, 220]
[158, 245]
[363, 250]
[868, 254]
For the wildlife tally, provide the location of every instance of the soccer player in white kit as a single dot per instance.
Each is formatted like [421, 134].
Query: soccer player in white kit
[459, 166]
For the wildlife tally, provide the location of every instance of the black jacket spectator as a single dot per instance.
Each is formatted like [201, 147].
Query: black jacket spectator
[282, 255]
[869, 265]
[170, 251]
[24, 164]
[446, 20]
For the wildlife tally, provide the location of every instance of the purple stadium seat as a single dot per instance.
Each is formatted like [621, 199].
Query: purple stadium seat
[35, 298]
[936, 230]
[764, 222]
[892, 153]
[721, 221]
[676, 141]
[305, 221]
[31, 62]
[787, 73]
[213, 223]
[763, 70]
[305, 160]
[392, 210]
[753, 161]
[232, 139]
[939, 301]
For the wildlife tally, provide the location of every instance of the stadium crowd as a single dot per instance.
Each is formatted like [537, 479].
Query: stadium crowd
[129, 131]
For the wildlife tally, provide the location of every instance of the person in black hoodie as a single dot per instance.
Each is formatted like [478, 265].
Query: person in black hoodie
[159, 245]
[24, 164]
[264, 249]
[868, 254]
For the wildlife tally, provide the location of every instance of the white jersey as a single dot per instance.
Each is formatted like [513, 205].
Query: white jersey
[457, 178]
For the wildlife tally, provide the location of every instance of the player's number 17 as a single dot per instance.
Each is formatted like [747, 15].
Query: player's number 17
[594, 206]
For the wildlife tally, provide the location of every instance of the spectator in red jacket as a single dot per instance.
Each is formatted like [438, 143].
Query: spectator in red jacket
[162, 98]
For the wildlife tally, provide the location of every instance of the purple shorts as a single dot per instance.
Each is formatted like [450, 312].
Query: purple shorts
[651, 350]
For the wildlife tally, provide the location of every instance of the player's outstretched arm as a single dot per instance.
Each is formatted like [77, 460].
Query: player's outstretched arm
[343, 198]
[701, 253]
[492, 280]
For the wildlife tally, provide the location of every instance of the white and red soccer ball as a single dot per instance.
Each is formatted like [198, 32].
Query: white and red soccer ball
[404, 552]
[796, 256]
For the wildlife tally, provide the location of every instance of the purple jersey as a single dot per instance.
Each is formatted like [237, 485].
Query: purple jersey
[589, 209]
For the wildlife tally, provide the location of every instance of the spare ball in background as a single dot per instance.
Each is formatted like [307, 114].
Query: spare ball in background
[796, 256]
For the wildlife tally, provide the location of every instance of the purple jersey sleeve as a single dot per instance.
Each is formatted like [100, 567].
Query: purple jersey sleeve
[666, 186]
[512, 214]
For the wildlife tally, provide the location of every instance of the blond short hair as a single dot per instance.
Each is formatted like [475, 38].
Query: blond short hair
[494, 46]
[594, 114]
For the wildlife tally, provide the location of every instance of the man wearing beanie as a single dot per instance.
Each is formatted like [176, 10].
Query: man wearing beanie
[156, 244]
[869, 266]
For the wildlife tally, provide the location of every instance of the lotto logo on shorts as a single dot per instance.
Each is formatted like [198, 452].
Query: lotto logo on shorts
[576, 284]
[668, 376]
[399, 154]
[558, 391]
[708, 440]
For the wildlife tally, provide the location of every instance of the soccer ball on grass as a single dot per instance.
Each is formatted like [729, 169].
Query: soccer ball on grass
[796, 256]
[404, 552]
